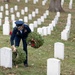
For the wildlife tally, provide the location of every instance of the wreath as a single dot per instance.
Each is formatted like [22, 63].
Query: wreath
[35, 40]
[18, 57]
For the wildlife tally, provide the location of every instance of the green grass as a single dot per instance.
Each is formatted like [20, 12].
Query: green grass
[38, 57]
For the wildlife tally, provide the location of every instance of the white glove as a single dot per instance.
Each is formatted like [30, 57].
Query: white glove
[13, 48]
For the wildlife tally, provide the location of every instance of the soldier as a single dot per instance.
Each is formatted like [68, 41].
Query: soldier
[20, 32]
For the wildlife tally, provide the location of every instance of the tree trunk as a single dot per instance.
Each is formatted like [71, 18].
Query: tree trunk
[55, 5]
[5, 0]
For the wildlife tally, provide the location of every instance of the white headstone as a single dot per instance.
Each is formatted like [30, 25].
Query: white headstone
[36, 10]
[6, 20]
[59, 50]
[56, 19]
[2, 8]
[68, 23]
[69, 16]
[53, 23]
[6, 29]
[13, 24]
[44, 31]
[17, 14]
[45, 15]
[48, 30]
[35, 24]
[39, 21]
[53, 66]
[18, 0]
[7, 12]
[26, 1]
[6, 6]
[0, 21]
[67, 27]
[31, 27]
[70, 4]
[33, 14]
[12, 17]
[65, 34]
[42, 18]
[26, 19]
[1, 15]
[16, 7]
[30, 16]
[34, 1]
[51, 26]
[39, 30]
[47, 12]
[6, 57]
[26, 9]
[43, 2]
[11, 10]
[62, 2]
[58, 14]
[22, 12]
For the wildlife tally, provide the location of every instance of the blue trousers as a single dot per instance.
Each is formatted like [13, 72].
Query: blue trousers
[17, 42]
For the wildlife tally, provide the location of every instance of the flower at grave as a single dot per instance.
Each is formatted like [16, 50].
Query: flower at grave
[18, 57]
[10, 33]
[35, 40]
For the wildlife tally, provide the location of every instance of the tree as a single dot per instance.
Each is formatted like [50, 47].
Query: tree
[55, 5]
[5, 0]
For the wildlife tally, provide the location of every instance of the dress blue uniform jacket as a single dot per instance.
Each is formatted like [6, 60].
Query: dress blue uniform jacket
[17, 34]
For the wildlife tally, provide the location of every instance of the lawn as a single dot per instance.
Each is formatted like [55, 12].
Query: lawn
[37, 58]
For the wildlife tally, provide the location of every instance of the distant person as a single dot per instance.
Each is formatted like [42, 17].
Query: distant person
[20, 32]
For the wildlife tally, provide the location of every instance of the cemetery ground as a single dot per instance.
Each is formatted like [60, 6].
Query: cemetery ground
[38, 57]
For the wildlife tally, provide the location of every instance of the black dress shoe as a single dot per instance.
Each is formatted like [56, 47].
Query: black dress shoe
[26, 65]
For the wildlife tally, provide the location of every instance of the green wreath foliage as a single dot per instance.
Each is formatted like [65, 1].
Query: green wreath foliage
[18, 57]
[36, 39]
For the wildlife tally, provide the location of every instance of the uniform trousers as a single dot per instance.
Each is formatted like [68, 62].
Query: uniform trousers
[17, 42]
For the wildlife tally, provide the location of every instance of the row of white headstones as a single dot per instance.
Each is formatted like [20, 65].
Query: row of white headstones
[35, 1]
[42, 31]
[70, 3]
[23, 11]
[53, 64]
[18, 14]
[44, 2]
[6, 54]
[26, 18]
[45, 30]
[65, 34]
